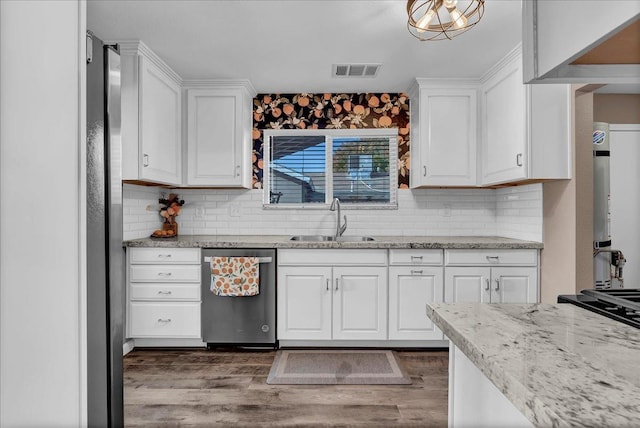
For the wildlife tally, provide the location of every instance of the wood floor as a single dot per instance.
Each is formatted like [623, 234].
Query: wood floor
[190, 387]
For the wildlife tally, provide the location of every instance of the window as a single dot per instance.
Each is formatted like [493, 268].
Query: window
[308, 168]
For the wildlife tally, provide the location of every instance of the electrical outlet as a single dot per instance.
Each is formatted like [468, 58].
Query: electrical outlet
[446, 212]
[199, 212]
[234, 209]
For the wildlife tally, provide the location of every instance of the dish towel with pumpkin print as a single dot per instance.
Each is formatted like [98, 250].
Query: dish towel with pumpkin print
[235, 276]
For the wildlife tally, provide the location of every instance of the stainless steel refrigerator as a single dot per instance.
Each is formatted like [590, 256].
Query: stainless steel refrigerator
[105, 254]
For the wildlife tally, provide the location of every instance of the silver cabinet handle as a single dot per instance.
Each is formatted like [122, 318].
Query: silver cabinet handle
[237, 170]
[165, 274]
[164, 292]
[416, 258]
[328, 282]
[164, 256]
[416, 272]
[164, 320]
[497, 284]
[424, 171]
[493, 258]
[336, 284]
[145, 160]
[519, 159]
[487, 286]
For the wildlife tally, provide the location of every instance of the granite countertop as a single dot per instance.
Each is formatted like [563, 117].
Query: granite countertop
[560, 365]
[283, 241]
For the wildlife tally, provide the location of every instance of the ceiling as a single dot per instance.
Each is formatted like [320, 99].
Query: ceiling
[290, 46]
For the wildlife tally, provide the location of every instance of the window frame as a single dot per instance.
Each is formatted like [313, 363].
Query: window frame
[330, 135]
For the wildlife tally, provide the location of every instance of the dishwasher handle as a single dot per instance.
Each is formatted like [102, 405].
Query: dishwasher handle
[207, 259]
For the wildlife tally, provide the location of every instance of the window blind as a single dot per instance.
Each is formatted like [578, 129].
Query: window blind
[360, 170]
[297, 169]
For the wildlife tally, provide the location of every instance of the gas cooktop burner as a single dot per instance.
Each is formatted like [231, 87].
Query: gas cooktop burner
[619, 304]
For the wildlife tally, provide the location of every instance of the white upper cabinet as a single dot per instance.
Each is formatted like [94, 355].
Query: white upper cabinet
[503, 136]
[444, 135]
[151, 117]
[525, 128]
[219, 135]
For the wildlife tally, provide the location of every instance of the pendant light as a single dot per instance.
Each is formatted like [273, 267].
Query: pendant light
[442, 19]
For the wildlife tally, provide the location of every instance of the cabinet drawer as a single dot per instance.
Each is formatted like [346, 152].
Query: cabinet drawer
[149, 319]
[491, 257]
[164, 273]
[415, 257]
[167, 291]
[164, 255]
[322, 257]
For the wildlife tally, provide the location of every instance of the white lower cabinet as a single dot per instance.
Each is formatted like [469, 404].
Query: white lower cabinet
[305, 295]
[163, 293]
[410, 289]
[165, 319]
[359, 303]
[490, 282]
[320, 298]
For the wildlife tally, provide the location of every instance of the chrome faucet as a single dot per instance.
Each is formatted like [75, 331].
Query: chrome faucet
[339, 229]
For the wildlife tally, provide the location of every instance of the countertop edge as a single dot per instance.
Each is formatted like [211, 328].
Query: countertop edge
[382, 242]
[532, 408]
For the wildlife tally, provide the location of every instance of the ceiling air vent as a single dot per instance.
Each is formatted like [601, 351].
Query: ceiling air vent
[355, 70]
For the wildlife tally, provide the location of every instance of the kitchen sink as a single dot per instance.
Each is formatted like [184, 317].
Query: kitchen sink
[314, 238]
[355, 239]
[325, 238]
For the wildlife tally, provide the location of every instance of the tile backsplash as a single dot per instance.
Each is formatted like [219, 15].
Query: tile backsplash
[513, 212]
[519, 212]
[140, 211]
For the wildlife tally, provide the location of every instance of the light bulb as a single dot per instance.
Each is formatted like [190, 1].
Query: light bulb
[458, 19]
[423, 23]
[450, 3]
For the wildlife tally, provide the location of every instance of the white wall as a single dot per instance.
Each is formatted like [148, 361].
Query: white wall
[514, 212]
[41, 298]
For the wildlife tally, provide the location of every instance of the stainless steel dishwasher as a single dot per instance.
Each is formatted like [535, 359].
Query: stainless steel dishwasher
[240, 321]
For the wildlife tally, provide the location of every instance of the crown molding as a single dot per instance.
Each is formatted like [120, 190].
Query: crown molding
[137, 47]
[220, 83]
[511, 56]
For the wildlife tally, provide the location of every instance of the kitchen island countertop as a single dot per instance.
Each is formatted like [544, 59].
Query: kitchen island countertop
[559, 365]
[283, 241]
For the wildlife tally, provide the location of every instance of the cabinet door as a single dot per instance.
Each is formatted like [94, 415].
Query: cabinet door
[360, 303]
[447, 137]
[216, 139]
[503, 139]
[410, 289]
[304, 303]
[514, 285]
[159, 138]
[467, 284]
